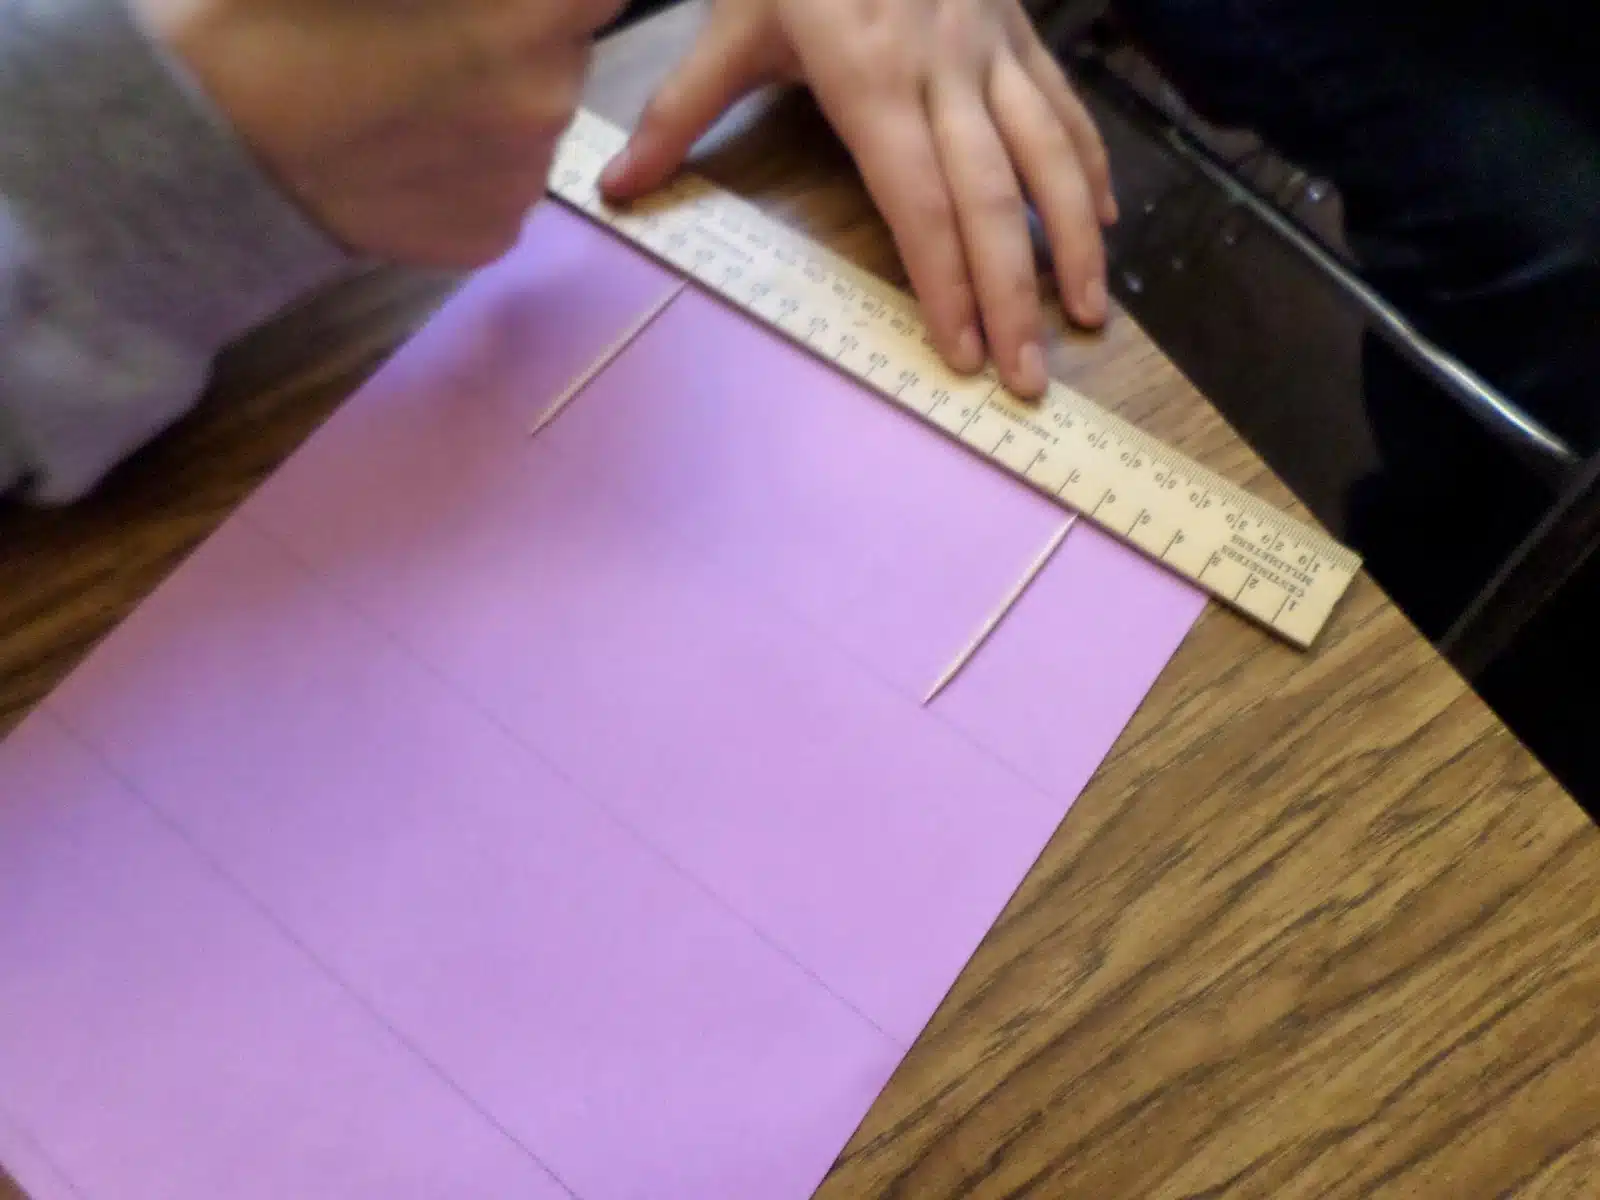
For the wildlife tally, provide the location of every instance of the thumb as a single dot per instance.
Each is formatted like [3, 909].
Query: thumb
[720, 69]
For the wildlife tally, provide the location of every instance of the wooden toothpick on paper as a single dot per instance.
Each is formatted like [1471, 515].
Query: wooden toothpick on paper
[607, 356]
[999, 614]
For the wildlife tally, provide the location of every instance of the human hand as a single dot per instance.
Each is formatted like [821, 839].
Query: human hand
[419, 131]
[954, 110]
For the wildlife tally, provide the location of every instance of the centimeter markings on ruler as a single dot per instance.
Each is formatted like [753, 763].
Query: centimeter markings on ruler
[1242, 550]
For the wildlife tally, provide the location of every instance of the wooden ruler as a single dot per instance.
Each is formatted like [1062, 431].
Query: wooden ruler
[1242, 550]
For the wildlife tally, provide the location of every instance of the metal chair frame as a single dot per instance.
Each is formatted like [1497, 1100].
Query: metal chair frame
[1564, 540]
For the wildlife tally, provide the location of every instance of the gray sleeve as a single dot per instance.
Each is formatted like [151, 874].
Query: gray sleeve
[137, 237]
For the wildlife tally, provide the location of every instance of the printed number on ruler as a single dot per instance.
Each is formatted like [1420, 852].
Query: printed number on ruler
[1241, 549]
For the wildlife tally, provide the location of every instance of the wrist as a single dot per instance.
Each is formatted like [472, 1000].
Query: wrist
[135, 185]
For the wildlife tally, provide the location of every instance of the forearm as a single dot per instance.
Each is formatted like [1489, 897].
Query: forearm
[136, 238]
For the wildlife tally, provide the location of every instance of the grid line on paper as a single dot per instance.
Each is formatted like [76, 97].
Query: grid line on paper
[260, 908]
[756, 592]
[461, 695]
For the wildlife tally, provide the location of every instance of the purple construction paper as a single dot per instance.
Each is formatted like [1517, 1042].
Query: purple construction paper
[885, 535]
[160, 1037]
[577, 786]
[800, 486]
[1042, 702]
[667, 639]
[559, 969]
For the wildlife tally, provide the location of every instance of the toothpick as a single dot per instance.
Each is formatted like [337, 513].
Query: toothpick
[606, 358]
[999, 614]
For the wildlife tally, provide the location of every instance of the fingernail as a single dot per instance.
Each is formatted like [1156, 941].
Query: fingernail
[1108, 210]
[1095, 301]
[1031, 375]
[616, 169]
[969, 350]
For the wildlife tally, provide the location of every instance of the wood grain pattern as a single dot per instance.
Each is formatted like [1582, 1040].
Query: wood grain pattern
[1319, 926]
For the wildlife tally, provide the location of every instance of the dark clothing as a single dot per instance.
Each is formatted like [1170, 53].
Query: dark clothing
[1465, 142]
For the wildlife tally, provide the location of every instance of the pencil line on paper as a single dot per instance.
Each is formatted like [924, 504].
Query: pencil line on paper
[606, 358]
[223, 874]
[1000, 613]
[615, 816]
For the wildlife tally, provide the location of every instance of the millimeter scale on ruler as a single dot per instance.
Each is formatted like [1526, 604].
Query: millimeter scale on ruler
[1252, 556]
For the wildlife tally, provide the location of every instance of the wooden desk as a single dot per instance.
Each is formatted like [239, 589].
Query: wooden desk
[1318, 927]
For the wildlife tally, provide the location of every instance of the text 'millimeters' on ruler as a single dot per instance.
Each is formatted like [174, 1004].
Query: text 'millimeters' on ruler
[1239, 548]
